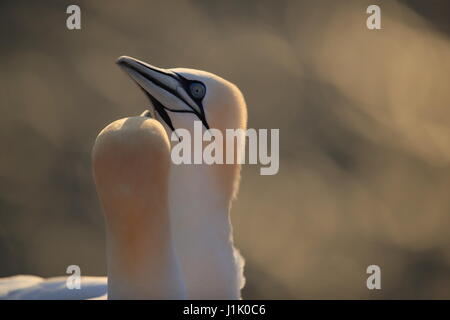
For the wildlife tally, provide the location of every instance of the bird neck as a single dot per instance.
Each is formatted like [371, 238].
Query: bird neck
[140, 254]
[130, 161]
[202, 233]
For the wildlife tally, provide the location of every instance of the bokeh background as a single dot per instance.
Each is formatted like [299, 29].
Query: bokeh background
[364, 119]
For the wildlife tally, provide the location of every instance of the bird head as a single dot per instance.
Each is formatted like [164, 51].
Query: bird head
[130, 161]
[179, 96]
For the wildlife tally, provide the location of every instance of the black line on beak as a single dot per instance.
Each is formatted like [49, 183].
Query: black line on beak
[161, 110]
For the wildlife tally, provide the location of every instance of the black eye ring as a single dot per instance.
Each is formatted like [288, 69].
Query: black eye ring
[197, 90]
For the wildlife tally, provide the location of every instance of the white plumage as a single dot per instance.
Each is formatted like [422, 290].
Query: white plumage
[198, 251]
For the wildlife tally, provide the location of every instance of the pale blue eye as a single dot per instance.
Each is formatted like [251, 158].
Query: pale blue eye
[198, 90]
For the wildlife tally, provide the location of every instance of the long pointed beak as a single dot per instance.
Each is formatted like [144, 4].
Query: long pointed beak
[164, 87]
[156, 81]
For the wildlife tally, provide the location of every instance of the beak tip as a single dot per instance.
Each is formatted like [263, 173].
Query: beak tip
[122, 60]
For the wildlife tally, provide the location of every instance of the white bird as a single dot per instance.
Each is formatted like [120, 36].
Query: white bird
[131, 164]
[200, 198]
[200, 195]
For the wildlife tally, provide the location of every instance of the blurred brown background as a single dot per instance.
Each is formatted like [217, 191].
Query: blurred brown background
[364, 120]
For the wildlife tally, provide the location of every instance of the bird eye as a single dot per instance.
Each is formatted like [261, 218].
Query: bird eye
[198, 90]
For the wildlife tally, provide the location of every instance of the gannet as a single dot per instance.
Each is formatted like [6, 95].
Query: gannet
[200, 195]
[130, 161]
[200, 199]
